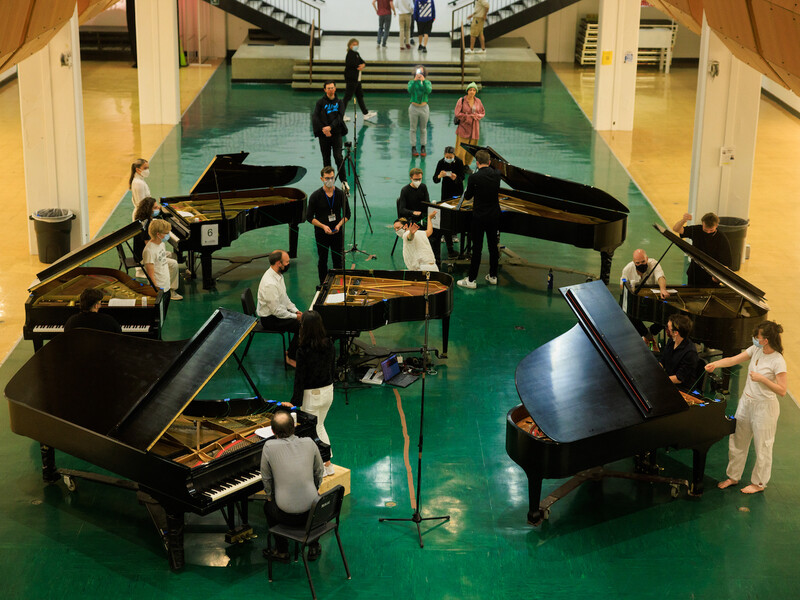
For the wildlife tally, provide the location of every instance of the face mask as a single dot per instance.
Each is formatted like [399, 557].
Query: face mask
[156, 212]
[328, 183]
[400, 232]
[449, 160]
[355, 48]
[641, 268]
[145, 173]
[415, 183]
[285, 268]
[756, 344]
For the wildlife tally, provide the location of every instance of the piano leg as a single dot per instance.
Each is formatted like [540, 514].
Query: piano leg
[294, 233]
[50, 473]
[445, 334]
[535, 514]
[37, 344]
[605, 265]
[173, 539]
[698, 470]
[205, 265]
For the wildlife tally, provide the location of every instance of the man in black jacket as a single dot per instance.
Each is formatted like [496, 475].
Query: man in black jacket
[89, 317]
[483, 189]
[328, 211]
[450, 172]
[329, 127]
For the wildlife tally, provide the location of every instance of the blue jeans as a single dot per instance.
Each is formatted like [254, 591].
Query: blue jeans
[384, 23]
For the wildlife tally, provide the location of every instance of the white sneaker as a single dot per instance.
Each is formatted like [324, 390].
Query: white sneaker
[330, 470]
[346, 119]
[139, 273]
[482, 51]
[468, 51]
[174, 295]
[370, 115]
[491, 280]
[466, 283]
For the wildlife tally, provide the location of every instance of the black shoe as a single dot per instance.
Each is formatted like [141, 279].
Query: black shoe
[414, 151]
[422, 151]
[314, 552]
[419, 47]
[425, 49]
[275, 556]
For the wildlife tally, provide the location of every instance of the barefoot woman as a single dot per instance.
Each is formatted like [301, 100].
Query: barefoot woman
[758, 410]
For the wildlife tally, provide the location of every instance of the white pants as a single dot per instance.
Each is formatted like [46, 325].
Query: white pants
[317, 402]
[172, 265]
[757, 420]
[429, 267]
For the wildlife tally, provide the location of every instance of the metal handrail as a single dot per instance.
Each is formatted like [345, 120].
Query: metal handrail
[311, 56]
[300, 9]
[459, 15]
[462, 56]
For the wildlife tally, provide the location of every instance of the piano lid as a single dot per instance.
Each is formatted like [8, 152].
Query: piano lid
[596, 378]
[232, 175]
[545, 185]
[716, 269]
[86, 253]
[126, 388]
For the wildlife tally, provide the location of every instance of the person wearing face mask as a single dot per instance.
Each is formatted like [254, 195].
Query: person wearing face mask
[276, 311]
[148, 209]
[450, 172]
[679, 356]
[328, 211]
[469, 111]
[417, 252]
[758, 409]
[353, 65]
[140, 170]
[162, 270]
[709, 239]
[633, 273]
[413, 196]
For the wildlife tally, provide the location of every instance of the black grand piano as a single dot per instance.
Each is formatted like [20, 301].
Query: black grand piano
[54, 297]
[723, 316]
[595, 395]
[178, 455]
[377, 298]
[229, 199]
[548, 208]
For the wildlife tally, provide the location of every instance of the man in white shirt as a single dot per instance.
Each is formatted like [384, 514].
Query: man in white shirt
[163, 271]
[417, 251]
[277, 312]
[633, 273]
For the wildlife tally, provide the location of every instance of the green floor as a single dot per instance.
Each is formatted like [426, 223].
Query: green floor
[609, 539]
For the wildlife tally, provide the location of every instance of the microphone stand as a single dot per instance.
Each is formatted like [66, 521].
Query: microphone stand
[358, 191]
[417, 518]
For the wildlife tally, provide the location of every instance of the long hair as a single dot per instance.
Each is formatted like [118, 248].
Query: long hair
[772, 331]
[135, 165]
[144, 212]
[312, 330]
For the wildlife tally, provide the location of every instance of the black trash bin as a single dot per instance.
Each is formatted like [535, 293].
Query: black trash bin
[53, 228]
[735, 229]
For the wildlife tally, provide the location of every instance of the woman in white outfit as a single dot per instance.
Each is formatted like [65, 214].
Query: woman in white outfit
[140, 170]
[313, 378]
[758, 410]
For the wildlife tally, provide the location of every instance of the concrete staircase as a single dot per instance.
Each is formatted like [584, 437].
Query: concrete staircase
[385, 76]
[291, 22]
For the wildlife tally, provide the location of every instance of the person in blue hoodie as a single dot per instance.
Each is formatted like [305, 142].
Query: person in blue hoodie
[424, 15]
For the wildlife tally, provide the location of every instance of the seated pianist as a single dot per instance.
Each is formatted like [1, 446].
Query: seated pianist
[679, 355]
[89, 317]
[633, 273]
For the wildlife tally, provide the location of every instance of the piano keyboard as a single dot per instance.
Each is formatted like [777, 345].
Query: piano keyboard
[60, 328]
[234, 485]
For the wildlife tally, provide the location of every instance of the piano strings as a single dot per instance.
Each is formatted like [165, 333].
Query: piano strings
[378, 289]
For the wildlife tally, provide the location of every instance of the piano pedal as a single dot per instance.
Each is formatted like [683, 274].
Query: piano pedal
[239, 535]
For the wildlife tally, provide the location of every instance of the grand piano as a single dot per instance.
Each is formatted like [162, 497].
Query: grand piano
[595, 395]
[229, 199]
[377, 298]
[54, 297]
[547, 208]
[178, 453]
[723, 316]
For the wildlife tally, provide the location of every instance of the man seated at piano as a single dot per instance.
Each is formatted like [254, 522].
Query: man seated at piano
[276, 311]
[161, 269]
[417, 251]
[633, 273]
[89, 317]
[679, 356]
[292, 471]
[413, 196]
[709, 239]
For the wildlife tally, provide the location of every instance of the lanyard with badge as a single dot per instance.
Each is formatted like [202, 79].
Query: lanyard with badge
[331, 204]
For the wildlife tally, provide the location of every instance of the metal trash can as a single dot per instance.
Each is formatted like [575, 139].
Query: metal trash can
[53, 228]
[735, 229]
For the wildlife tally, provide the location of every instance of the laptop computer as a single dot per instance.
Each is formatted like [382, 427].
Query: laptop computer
[392, 374]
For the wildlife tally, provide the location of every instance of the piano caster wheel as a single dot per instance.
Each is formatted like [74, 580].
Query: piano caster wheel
[545, 514]
[674, 490]
[70, 483]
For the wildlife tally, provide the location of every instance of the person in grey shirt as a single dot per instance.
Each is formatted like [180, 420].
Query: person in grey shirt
[292, 471]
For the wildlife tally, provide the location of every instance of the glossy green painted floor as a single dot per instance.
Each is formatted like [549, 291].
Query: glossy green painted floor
[611, 539]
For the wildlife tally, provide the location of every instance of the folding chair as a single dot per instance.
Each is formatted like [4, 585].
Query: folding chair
[249, 308]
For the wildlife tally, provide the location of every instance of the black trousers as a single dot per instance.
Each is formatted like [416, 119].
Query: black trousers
[332, 144]
[275, 516]
[489, 226]
[325, 243]
[291, 326]
[354, 88]
[436, 244]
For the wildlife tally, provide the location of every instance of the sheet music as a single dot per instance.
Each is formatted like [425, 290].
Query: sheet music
[122, 302]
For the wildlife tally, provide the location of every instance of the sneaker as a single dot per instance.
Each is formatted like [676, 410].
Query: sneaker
[383, 45]
[408, 46]
[466, 283]
[414, 151]
[346, 119]
[482, 50]
[419, 47]
[468, 51]
[422, 151]
[370, 115]
[272, 554]
[424, 49]
[174, 295]
[330, 470]
[139, 273]
[402, 48]
[491, 280]
[314, 551]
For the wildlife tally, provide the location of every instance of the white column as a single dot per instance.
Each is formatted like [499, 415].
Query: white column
[725, 125]
[157, 62]
[53, 149]
[615, 70]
